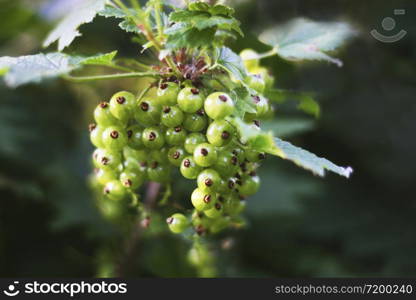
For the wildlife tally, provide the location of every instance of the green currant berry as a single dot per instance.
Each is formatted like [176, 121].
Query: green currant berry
[134, 137]
[250, 59]
[138, 155]
[131, 179]
[121, 105]
[158, 172]
[218, 105]
[114, 138]
[176, 155]
[209, 180]
[193, 140]
[205, 155]
[254, 156]
[95, 161]
[250, 185]
[227, 163]
[190, 99]
[159, 155]
[228, 186]
[214, 212]
[96, 135]
[256, 82]
[177, 223]
[265, 74]
[220, 133]
[202, 200]
[262, 106]
[104, 176]
[103, 115]
[172, 116]
[189, 169]
[108, 159]
[153, 138]
[115, 190]
[148, 112]
[167, 93]
[195, 122]
[175, 136]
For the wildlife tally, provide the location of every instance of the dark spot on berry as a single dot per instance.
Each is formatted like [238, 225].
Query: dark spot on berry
[106, 190]
[256, 99]
[129, 133]
[114, 134]
[223, 98]
[225, 135]
[154, 165]
[178, 129]
[143, 164]
[234, 160]
[152, 136]
[187, 163]
[231, 184]
[188, 76]
[237, 175]
[243, 167]
[120, 100]
[144, 106]
[221, 199]
[217, 206]
[235, 152]
[128, 183]
[262, 156]
[170, 220]
[208, 182]
[92, 126]
[257, 123]
[163, 86]
[105, 161]
[166, 109]
[176, 155]
[207, 198]
[252, 173]
[195, 91]
[200, 112]
[204, 152]
[200, 230]
[239, 182]
[104, 104]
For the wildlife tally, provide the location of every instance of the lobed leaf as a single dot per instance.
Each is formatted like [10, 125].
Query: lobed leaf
[67, 30]
[303, 39]
[231, 62]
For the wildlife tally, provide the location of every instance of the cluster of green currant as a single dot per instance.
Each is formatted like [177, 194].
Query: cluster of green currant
[181, 126]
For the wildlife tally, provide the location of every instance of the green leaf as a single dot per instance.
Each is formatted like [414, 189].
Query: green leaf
[128, 25]
[189, 37]
[113, 12]
[243, 101]
[199, 5]
[220, 9]
[253, 137]
[303, 39]
[310, 106]
[309, 161]
[67, 29]
[100, 59]
[231, 62]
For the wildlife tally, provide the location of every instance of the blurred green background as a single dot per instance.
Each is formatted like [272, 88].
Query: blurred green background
[298, 224]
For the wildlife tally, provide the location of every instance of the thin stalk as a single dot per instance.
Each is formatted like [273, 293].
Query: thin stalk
[111, 76]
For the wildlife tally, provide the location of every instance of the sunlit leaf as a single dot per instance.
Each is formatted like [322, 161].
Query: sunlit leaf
[231, 62]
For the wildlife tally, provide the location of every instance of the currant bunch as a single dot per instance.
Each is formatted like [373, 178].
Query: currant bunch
[183, 126]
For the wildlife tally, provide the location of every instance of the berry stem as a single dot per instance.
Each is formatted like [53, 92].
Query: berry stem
[110, 76]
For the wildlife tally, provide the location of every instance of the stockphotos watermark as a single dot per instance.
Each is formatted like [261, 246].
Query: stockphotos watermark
[388, 25]
[71, 289]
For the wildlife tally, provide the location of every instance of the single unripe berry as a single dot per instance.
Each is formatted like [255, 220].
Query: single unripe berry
[209, 180]
[114, 138]
[214, 212]
[193, 140]
[175, 136]
[202, 200]
[158, 172]
[148, 112]
[107, 159]
[250, 59]
[220, 133]
[189, 169]
[132, 179]
[153, 138]
[227, 163]
[262, 108]
[177, 223]
[103, 116]
[115, 190]
[172, 116]
[227, 186]
[256, 82]
[122, 104]
[176, 155]
[218, 105]
[103, 176]
[167, 93]
[134, 137]
[250, 185]
[190, 99]
[254, 156]
[195, 122]
[96, 135]
[205, 155]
